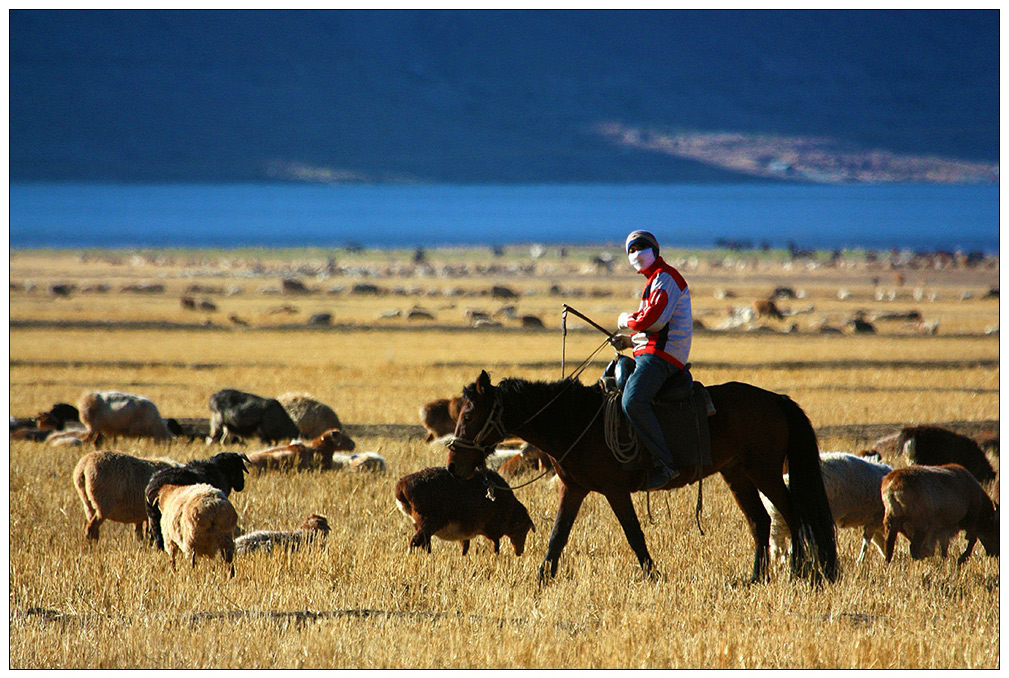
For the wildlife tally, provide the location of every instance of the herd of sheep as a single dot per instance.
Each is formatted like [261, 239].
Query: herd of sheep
[186, 508]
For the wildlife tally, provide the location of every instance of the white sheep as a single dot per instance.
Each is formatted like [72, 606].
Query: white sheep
[198, 519]
[852, 484]
[315, 528]
[111, 487]
[114, 413]
[363, 461]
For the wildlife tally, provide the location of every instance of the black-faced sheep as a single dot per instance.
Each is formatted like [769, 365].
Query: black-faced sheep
[225, 471]
[934, 446]
[438, 417]
[114, 414]
[931, 504]
[458, 510]
[312, 417]
[234, 413]
[315, 529]
[111, 487]
[199, 520]
[853, 485]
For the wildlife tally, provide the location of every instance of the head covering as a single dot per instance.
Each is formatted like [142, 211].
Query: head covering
[641, 238]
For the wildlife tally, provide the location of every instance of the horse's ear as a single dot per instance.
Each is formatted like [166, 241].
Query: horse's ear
[483, 382]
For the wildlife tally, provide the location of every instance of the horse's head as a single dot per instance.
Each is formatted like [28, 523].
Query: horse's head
[478, 429]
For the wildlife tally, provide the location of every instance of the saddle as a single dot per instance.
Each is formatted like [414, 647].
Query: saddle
[682, 407]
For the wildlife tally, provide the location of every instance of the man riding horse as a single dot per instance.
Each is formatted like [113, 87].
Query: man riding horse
[663, 327]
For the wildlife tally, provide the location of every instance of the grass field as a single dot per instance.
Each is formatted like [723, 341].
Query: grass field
[363, 601]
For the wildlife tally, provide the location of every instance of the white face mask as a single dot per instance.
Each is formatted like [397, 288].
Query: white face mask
[642, 259]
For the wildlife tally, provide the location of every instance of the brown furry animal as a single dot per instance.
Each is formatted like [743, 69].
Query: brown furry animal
[312, 417]
[439, 417]
[111, 487]
[766, 308]
[931, 504]
[199, 520]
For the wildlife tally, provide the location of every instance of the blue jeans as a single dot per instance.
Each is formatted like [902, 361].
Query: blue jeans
[649, 374]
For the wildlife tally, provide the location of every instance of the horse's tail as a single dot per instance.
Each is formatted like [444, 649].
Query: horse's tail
[814, 549]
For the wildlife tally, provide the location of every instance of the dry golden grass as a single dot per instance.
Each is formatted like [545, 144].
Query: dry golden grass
[363, 602]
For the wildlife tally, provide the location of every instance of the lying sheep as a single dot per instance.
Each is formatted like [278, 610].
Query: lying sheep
[931, 504]
[314, 529]
[312, 417]
[113, 414]
[458, 510]
[530, 459]
[852, 484]
[317, 453]
[225, 471]
[111, 487]
[199, 520]
[362, 462]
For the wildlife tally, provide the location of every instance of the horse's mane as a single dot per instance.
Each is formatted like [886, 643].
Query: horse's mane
[523, 398]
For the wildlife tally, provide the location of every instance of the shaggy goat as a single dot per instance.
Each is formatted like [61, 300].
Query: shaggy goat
[852, 484]
[931, 504]
[113, 413]
[312, 417]
[315, 528]
[225, 471]
[111, 487]
[458, 510]
[234, 413]
[197, 519]
[934, 446]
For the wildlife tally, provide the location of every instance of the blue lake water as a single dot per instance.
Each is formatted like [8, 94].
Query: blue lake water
[919, 217]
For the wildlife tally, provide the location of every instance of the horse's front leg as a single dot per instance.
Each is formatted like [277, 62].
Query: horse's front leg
[571, 502]
[622, 505]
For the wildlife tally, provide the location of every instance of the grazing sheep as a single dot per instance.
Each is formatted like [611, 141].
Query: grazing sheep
[111, 487]
[931, 504]
[234, 413]
[766, 308]
[934, 446]
[225, 471]
[113, 414]
[312, 417]
[317, 453]
[439, 416]
[458, 510]
[199, 520]
[852, 484]
[315, 528]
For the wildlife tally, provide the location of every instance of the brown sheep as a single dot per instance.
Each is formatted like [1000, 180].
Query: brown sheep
[529, 460]
[312, 417]
[458, 510]
[199, 520]
[931, 504]
[317, 453]
[314, 529]
[766, 308]
[439, 416]
[113, 413]
[111, 487]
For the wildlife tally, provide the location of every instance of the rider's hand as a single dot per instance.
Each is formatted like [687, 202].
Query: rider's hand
[620, 341]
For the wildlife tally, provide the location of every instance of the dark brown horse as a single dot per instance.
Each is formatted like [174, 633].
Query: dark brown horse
[753, 433]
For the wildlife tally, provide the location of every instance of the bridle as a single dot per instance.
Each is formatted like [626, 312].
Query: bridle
[492, 432]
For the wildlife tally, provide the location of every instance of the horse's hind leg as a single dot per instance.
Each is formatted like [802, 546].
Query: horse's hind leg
[748, 500]
[571, 501]
[622, 505]
[773, 487]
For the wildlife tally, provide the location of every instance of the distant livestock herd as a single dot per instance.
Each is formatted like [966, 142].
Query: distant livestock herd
[187, 508]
